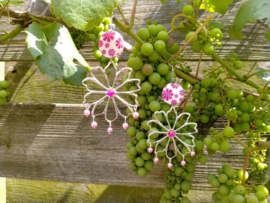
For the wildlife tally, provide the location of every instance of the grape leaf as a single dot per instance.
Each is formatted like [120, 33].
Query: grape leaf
[83, 14]
[16, 3]
[265, 75]
[178, 1]
[267, 35]
[163, 1]
[217, 6]
[234, 35]
[250, 11]
[216, 25]
[54, 50]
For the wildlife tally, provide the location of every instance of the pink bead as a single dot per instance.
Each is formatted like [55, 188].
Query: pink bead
[183, 163]
[171, 133]
[156, 160]
[86, 112]
[110, 130]
[135, 115]
[192, 153]
[150, 149]
[170, 165]
[94, 124]
[110, 93]
[125, 126]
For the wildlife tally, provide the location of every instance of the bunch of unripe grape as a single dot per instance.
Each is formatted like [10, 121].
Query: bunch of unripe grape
[4, 92]
[228, 183]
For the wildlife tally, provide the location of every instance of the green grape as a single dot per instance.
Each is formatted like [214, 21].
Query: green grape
[224, 146]
[165, 107]
[153, 30]
[245, 126]
[208, 49]
[132, 150]
[174, 192]
[215, 96]
[240, 94]
[232, 59]
[260, 195]
[238, 199]
[190, 109]
[213, 82]
[3, 101]
[197, 87]
[214, 146]
[163, 35]
[185, 84]
[131, 131]
[245, 117]
[199, 145]
[210, 177]
[263, 189]
[222, 178]
[163, 69]
[3, 93]
[155, 135]
[147, 69]
[231, 196]
[146, 156]
[202, 159]
[224, 189]
[162, 83]
[243, 106]
[144, 125]
[231, 94]
[142, 144]
[185, 185]
[161, 28]
[239, 189]
[197, 47]
[218, 109]
[154, 56]
[237, 64]
[169, 43]
[207, 141]
[143, 33]
[252, 199]
[196, 3]
[240, 174]
[173, 49]
[183, 29]
[204, 118]
[130, 156]
[149, 165]
[135, 63]
[97, 54]
[188, 10]
[140, 75]
[140, 135]
[146, 86]
[196, 95]
[154, 106]
[250, 98]
[228, 132]
[159, 45]
[147, 49]
[142, 171]
[188, 36]
[141, 99]
[132, 87]
[216, 33]
[206, 82]
[142, 113]
[190, 167]
[214, 183]
[155, 78]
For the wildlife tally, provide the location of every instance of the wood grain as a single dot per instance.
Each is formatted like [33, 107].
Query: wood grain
[253, 47]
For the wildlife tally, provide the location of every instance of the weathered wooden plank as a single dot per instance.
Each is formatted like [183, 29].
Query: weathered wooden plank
[55, 142]
[253, 47]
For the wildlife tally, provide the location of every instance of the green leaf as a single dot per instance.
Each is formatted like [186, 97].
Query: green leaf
[234, 35]
[16, 3]
[178, 1]
[83, 14]
[250, 11]
[267, 35]
[216, 25]
[265, 75]
[54, 50]
[219, 6]
[163, 1]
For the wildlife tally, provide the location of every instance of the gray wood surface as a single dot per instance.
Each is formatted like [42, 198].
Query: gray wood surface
[253, 47]
[56, 142]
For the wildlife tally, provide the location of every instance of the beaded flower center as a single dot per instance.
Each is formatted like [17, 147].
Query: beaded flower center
[171, 133]
[110, 93]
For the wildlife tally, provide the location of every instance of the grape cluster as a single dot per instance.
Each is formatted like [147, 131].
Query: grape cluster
[235, 62]
[230, 190]
[4, 92]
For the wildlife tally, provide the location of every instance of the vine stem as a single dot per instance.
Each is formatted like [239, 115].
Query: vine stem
[197, 31]
[205, 9]
[186, 100]
[173, 20]
[222, 119]
[263, 71]
[121, 13]
[232, 71]
[197, 11]
[12, 34]
[23, 43]
[242, 143]
[133, 14]
[246, 159]
[123, 28]
[4, 8]
[198, 67]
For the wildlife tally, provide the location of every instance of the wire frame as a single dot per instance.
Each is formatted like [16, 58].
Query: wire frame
[111, 92]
